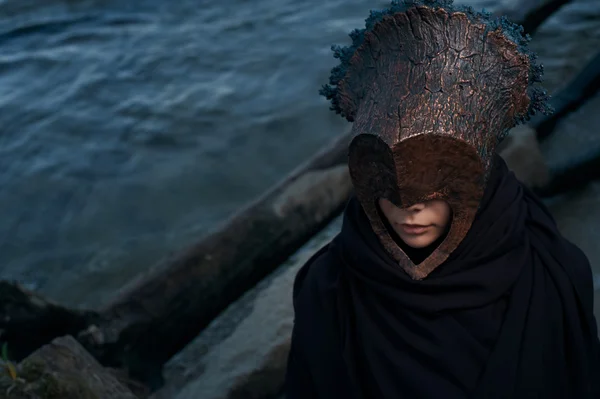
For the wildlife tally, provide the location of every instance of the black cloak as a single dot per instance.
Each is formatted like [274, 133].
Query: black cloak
[508, 315]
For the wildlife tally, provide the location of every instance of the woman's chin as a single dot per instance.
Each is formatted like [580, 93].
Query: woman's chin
[418, 241]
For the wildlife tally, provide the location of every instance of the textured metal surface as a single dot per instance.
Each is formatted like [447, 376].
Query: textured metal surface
[431, 93]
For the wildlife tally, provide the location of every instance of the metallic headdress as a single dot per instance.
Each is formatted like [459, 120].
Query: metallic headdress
[431, 89]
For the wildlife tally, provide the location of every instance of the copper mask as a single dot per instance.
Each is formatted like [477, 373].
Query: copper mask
[431, 91]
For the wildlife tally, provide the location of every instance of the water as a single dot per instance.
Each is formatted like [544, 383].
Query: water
[130, 129]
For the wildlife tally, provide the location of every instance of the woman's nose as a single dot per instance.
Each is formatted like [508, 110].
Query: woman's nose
[416, 207]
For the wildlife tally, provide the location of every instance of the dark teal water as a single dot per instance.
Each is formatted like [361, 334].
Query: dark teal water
[130, 129]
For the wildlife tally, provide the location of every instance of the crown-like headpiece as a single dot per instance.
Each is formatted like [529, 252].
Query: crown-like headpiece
[431, 90]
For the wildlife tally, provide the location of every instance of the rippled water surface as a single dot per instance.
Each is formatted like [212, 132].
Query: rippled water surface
[130, 129]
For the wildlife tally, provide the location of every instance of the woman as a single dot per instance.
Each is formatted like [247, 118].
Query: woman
[449, 279]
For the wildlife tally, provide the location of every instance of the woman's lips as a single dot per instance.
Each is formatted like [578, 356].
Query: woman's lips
[414, 229]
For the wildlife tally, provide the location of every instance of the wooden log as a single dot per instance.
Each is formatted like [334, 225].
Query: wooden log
[161, 312]
[62, 369]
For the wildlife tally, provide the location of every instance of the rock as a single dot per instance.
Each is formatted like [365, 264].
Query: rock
[63, 370]
[567, 46]
[566, 41]
[578, 217]
[584, 86]
[575, 142]
[575, 136]
[530, 13]
[522, 154]
[250, 361]
[28, 320]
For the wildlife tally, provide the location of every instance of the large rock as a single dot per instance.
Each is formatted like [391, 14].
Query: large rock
[578, 217]
[573, 151]
[62, 370]
[575, 138]
[522, 154]
[243, 353]
[566, 41]
[565, 44]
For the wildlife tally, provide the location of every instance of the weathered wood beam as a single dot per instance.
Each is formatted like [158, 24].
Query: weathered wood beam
[157, 315]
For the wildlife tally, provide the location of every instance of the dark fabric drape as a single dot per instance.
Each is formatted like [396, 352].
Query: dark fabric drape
[508, 315]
